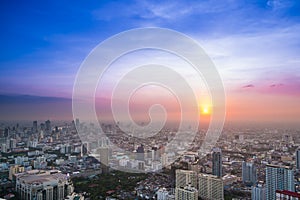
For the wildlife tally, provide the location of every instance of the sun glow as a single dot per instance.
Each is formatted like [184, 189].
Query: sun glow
[205, 110]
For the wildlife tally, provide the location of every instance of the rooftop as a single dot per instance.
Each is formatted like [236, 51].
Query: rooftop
[41, 177]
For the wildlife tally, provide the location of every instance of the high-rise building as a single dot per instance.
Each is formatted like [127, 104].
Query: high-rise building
[186, 177]
[48, 126]
[42, 125]
[65, 148]
[3, 148]
[84, 148]
[140, 153]
[6, 132]
[104, 159]
[211, 187]
[12, 143]
[77, 123]
[103, 142]
[164, 159]
[278, 178]
[241, 138]
[217, 162]
[34, 126]
[298, 159]
[141, 165]
[258, 192]
[162, 194]
[249, 173]
[154, 153]
[186, 193]
[15, 169]
[48, 185]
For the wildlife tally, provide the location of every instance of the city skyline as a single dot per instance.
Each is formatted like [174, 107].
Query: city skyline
[166, 100]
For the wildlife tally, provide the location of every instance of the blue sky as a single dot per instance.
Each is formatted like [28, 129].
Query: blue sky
[43, 43]
[254, 44]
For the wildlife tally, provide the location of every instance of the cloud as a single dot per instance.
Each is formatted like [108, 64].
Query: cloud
[279, 4]
[276, 85]
[248, 42]
[161, 12]
[248, 86]
[256, 56]
[288, 85]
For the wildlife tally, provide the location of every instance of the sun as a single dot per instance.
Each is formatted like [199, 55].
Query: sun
[205, 110]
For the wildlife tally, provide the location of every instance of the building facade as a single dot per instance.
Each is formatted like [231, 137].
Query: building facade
[249, 173]
[217, 162]
[186, 193]
[258, 192]
[278, 178]
[210, 187]
[287, 195]
[162, 194]
[43, 185]
[186, 177]
[104, 159]
[298, 159]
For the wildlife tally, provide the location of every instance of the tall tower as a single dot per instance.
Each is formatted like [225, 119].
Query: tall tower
[48, 125]
[140, 153]
[217, 162]
[249, 173]
[77, 123]
[298, 159]
[84, 148]
[34, 126]
[186, 177]
[211, 187]
[104, 159]
[258, 193]
[42, 125]
[278, 178]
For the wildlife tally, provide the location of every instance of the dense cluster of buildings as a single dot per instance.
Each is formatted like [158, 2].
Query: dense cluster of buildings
[244, 168]
[40, 159]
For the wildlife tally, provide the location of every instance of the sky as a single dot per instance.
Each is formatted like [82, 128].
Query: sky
[255, 46]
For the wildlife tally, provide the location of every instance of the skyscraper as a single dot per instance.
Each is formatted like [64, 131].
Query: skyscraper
[211, 187]
[3, 148]
[258, 192]
[249, 173]
[298, 159]
[140, 153]
[162, 194]
[84, 148]
[104, 159]
[48, 125]
[12, 143]
[34, 126]
[42, 125]
[278, 178]
[77, 123]
[217, 162]
[186, 177]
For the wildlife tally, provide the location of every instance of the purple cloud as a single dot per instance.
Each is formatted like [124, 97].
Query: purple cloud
[276, 85]
[248, 86]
